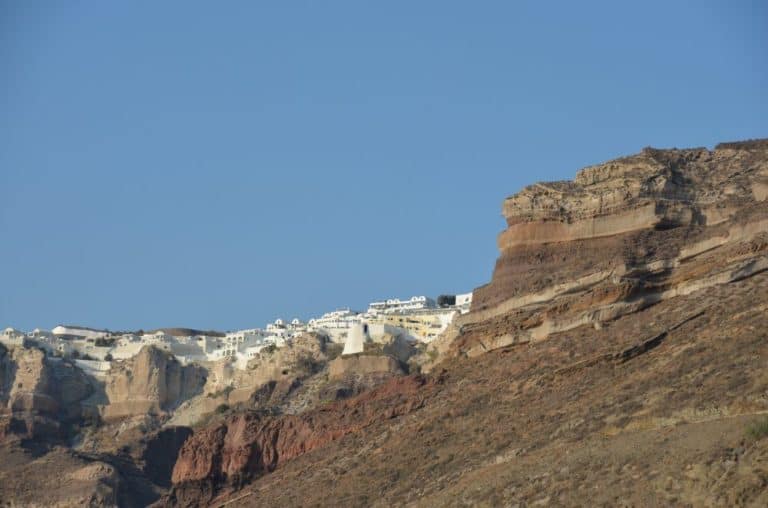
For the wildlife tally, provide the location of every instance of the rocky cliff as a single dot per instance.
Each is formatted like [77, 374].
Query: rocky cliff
[38, 394]
[151, 382]
[622, 236]
[268, 380]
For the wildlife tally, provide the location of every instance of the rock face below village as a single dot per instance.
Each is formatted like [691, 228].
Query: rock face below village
[152, 382]
[38, 396]
[246, 446]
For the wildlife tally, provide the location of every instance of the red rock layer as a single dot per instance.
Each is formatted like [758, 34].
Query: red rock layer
[248, 445]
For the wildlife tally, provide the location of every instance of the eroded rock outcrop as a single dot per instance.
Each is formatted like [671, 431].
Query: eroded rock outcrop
[38, 394]
[270, 378]
[623, 235]
[152, 382]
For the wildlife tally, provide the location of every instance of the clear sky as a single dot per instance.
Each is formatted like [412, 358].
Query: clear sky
[222, 164]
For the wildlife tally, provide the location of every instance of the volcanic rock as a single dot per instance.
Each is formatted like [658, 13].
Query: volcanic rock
[151, 382]
[38, 394]
[622, 236]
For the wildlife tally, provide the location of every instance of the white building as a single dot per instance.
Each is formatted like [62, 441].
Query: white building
[12, 337]
[241, 337]
[40, 334]
[335, 324]
[278, 325]
[356, 339]
[188, 349]
[43, 339]
[244, 355]
[79, 332]
[397, 305]
[463, 302]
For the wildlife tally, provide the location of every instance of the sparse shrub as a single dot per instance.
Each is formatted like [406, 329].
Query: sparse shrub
[758, 429]
[413, 366]
[222, 408]
[375, 349]
[224, 392]
[307, 364]
[108, 357]
[333, 351]
[91, 420]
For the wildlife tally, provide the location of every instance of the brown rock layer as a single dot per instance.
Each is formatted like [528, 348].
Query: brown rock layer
[363, 364]
[622, 236]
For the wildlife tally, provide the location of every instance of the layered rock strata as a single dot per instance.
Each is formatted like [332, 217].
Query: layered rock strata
[623, 235]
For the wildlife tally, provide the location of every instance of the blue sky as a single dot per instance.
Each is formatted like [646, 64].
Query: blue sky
[218, 165]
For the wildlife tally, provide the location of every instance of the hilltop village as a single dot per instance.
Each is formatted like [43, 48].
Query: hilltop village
[418, 319]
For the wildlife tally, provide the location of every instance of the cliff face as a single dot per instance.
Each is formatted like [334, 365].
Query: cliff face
[268, 379]
[36, 395]
[623, 235]
[151, 382]
[245, 446]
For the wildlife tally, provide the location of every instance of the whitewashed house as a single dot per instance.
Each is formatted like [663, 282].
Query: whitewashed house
[12, 337]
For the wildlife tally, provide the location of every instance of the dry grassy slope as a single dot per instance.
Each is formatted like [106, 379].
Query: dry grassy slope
[539, 424]
[57, 478]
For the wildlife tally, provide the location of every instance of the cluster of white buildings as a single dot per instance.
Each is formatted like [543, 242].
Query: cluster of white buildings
[396, 305]
[418, 318]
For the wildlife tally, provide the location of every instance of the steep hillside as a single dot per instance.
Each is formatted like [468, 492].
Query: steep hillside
[616, 357]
